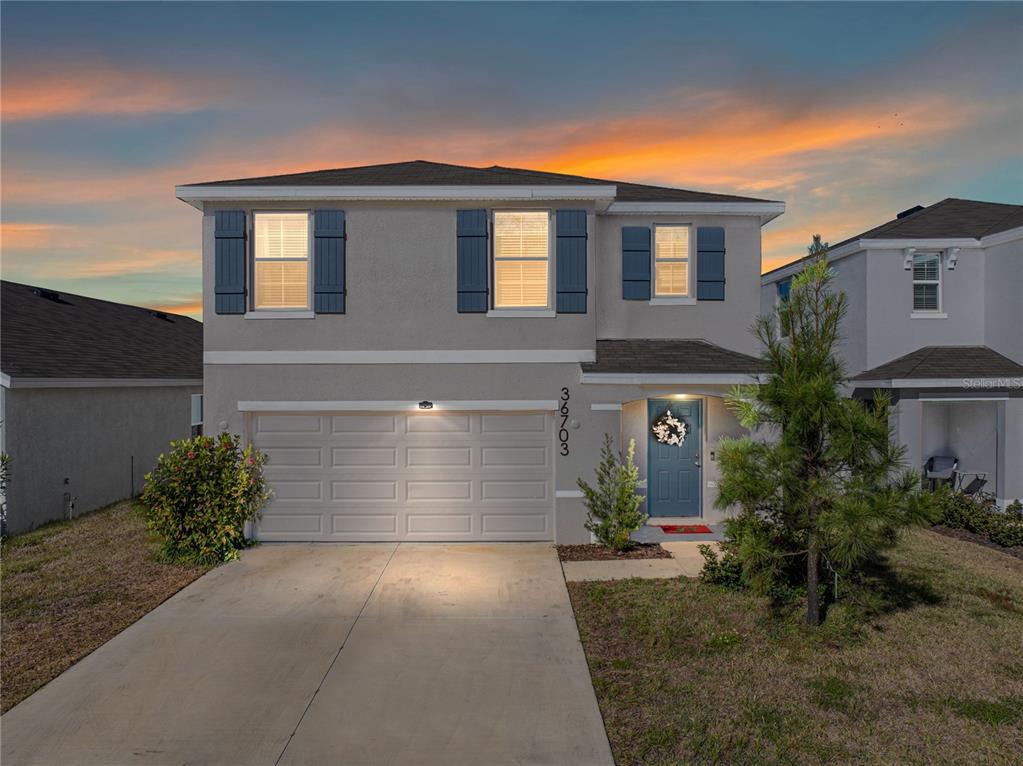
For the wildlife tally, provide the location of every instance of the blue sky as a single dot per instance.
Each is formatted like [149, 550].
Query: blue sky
[848, 112]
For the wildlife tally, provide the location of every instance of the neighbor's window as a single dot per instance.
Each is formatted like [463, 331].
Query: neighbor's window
[196, 414]
[521, 259]
[282, 261]
[671, 261]
[927, 282]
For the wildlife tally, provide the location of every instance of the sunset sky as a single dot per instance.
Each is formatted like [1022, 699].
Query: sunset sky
[848, 112]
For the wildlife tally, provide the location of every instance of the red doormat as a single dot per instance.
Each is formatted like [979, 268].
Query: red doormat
[685, 529]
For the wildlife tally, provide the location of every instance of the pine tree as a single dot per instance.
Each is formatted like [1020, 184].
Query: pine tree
[827, 487]
[612, 509]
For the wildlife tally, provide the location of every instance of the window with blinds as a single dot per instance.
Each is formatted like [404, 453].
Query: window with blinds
[671, 261]
[281, 275]
[927, 282]
[521, 259]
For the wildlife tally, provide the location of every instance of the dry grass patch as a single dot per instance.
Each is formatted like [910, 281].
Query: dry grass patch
[71, 586]
[929, 671]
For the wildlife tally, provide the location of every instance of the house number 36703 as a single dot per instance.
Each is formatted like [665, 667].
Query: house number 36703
[563, 429]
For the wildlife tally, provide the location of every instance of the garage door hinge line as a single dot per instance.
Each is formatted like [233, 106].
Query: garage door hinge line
[338, 654]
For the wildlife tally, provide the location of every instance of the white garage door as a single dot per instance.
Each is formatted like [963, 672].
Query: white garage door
[430, 476]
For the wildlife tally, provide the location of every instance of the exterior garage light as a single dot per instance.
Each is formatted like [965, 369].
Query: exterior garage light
[425, 405]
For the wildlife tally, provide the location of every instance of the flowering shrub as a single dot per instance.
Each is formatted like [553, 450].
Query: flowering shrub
[200, 495]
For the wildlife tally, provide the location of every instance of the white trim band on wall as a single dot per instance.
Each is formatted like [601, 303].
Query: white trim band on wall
[424, 356]
[366, 405]
[561, 493]
[9, 382]
[666, 378]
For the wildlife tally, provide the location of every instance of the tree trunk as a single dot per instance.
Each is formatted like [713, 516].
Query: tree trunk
[813, 607]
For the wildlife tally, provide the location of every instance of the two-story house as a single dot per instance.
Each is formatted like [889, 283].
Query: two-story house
[935, 316]
[435, 352]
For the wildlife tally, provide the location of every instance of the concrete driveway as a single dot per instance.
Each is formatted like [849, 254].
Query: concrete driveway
[334, 654]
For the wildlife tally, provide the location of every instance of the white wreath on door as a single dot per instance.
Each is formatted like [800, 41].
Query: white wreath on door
[668, 429]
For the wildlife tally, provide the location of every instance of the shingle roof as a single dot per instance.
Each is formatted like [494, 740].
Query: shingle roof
[78, 337]
[423, 173]
[681, 356]
[946, 362]
[949, 219]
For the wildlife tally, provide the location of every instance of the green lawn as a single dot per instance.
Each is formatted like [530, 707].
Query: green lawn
[70, 586]
[687, 673]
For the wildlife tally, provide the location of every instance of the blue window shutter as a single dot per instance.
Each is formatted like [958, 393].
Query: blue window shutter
[636, 263]
[710, 263]
[570, 258]
[230, 257]
[473, 254]
[329, 262]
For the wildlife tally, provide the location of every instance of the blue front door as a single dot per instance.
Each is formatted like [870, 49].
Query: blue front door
[673, 470]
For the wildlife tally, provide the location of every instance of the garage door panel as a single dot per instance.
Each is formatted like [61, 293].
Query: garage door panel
[364, 490]
[288, 424]
[435, 476]
[514, 424]
[364, 523]
[438, 457]
[343, 457]
[439, 423]
[364, 424]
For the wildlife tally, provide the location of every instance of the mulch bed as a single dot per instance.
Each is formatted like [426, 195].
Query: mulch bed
[973, 537]
[593, 552]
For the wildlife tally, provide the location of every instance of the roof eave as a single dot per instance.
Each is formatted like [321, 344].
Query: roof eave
[767, 211]
[198, 195]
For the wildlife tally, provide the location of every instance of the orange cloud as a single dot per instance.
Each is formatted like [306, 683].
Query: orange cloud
[101, 92]
[191, 307]
[27, 235]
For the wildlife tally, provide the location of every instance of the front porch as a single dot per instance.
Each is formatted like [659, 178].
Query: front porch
[670, 398]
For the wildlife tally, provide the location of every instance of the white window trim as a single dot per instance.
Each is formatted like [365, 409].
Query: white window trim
[928, 313]
[522, 311]
[290, 313]
[677, 300]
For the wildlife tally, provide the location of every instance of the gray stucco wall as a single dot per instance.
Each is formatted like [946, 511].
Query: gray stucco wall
[87, 436]
[725, 323]
[401, 291]
[891, 330]
[1003, 316]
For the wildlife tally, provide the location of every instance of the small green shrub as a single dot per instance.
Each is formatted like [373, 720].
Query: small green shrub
[1015, 507]
[980, 516]
[724, 569]
[612, 509]
[200, 495]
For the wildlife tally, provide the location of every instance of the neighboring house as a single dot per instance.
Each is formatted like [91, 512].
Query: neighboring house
[936, 317]
[434, 352]
[92, 392]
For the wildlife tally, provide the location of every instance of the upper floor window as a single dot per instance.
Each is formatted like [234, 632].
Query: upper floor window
[927, 282]
[671, 261]
[521, 259]
[281, 273]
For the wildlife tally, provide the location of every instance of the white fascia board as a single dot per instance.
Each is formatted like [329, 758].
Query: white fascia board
[9, 382]
[197, 195]
[859, 245]
[496, 405]
[1001, 237]
[417, 356]
[5, 380]
[656, 379]
[767, 211]
[967, 383]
